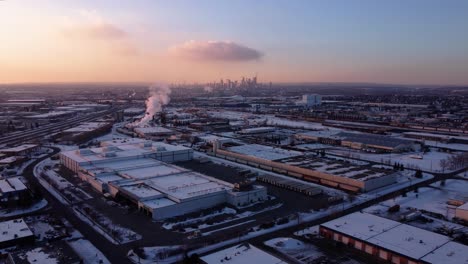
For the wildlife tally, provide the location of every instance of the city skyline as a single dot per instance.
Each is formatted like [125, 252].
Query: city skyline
[417, 42]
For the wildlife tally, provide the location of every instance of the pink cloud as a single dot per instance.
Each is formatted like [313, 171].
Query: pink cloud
[215, 51]
[96, 31]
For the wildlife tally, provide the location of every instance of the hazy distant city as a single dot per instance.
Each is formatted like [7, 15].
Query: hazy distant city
[314, 150]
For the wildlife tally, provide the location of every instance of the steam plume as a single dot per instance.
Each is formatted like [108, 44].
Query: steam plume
[159, 95]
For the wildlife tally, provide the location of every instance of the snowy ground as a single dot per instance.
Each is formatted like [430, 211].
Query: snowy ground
[84, 248]
[433, 199]
[21, 211]
[114, 233]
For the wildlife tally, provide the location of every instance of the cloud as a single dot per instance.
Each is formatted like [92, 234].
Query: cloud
[96, 31]
[215, 51]
[89, 26]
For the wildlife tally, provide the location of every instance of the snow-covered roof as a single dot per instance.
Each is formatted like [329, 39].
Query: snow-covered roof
[86, 127]
[463, 207]
[394, 236]
[152, 130]
[141, 190]
[264, 152]
[186, 185]
[51, 114]
[255, 130]
[19, 148]
[121, 149]
[14, 229]
[409, 241]
[241, 254]
[450, 253]
[361, 225]
[11, 185]
[157, 203]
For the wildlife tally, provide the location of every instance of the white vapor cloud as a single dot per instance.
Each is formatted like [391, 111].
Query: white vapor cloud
[215, 51]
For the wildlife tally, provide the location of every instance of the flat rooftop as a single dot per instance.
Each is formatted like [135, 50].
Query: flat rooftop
[151, 130]
[11, 184]
[118, 165]
[160, 169]
[409, 240]
[361, 225]
[157, 203]
[241, 254]
[85, 127]
[264, 152]
[141, 190]
[403, 239]
[372, 139]
[186, 185]
[14, 229]
[339, 168]
[19, 148]
[121, 149]
[51, 114]
[450, 253]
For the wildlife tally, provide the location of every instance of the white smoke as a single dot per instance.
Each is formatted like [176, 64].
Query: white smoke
[208, 89]
[159, 95]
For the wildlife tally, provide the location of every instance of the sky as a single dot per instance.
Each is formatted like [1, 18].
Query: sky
[376, 41]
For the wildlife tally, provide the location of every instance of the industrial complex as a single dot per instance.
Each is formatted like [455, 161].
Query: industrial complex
[139, 171]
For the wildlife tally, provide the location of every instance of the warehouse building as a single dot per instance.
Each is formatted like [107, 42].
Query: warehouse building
[12, 191]
[362, 141]
[349, 177]
[14, 233]
[21, 150]
[391, 241]
[148, 132]
[136, 170]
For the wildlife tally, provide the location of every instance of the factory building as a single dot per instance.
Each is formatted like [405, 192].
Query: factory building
[136, 170]
[348, 177]
[393, 242]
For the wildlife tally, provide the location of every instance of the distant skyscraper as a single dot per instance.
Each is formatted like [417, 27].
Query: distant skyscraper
[311, 99]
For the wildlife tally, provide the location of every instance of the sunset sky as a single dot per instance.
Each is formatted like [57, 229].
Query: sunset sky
[398, 41]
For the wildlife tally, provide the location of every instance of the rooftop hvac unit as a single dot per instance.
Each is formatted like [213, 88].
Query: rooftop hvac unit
[85, 152]
[146, 144]
[160, 148]
[109, 154]
[110, 149]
